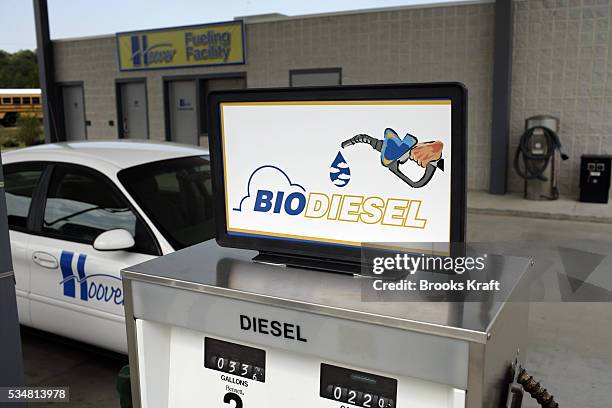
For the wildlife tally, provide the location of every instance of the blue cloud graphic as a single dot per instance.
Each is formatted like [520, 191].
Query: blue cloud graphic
[267, 166]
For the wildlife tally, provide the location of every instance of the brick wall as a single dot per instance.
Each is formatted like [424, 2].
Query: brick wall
[417, 44]
[409, 45]
[563, 66]
[94, 62]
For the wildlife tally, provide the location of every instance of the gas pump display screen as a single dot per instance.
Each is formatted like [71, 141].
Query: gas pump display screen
[324, 170]
[235, 359]
[357, 388]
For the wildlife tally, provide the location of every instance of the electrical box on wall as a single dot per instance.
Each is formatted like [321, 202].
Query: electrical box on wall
[595, 178]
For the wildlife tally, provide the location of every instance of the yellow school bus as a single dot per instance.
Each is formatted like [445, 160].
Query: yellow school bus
[19, 102]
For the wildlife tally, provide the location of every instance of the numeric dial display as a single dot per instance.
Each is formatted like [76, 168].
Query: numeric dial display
[235, 359]
[357, 388]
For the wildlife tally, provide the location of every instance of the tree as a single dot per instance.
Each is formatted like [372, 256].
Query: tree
[18, 70]
[29, 130]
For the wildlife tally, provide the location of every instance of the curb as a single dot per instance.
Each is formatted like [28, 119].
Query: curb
[540, 215]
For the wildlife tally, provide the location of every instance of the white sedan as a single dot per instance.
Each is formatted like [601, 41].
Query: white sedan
[80, 212]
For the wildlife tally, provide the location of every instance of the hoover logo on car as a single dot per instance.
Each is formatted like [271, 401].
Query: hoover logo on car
[101, 287]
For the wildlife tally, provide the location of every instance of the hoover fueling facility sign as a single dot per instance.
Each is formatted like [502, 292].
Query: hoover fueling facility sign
[210, 44]
[339, 172]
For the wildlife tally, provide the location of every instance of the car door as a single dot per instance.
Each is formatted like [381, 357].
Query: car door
[76, 290]
[21, 181]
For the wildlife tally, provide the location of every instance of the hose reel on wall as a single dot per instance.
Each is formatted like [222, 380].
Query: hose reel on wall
[539, 151]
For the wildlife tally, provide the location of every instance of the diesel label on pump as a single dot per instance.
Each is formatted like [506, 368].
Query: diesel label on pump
[289, 331]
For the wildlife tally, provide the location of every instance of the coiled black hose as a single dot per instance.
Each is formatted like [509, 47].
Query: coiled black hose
[535, 164]
[537, 392]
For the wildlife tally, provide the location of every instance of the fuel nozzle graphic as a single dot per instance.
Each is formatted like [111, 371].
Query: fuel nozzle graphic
[395, 151]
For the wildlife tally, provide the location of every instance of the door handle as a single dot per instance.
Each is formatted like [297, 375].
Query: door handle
[45, 260]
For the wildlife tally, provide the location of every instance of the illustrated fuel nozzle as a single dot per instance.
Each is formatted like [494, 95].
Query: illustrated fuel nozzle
[395, 151]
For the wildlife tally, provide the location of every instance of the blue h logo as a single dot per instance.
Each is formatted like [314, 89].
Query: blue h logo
[68, 274]
[139, 49]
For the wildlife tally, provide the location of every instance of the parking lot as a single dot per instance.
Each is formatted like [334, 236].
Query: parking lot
[89, 372]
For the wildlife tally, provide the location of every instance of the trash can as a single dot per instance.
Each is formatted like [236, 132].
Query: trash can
[595, 178]
[123, 387]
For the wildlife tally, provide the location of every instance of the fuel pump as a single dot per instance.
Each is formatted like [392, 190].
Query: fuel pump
[395, 152]
[540, 151]
[259, 316]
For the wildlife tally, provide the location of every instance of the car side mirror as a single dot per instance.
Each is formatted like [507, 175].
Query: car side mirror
[114, 240]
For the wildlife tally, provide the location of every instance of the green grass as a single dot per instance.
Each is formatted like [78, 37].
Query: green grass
[10, 133]
[7, 132]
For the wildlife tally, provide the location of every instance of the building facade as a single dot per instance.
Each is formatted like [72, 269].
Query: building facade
[562, 65]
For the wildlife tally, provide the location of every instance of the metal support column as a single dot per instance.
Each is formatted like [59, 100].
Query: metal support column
[502, 81]
[11, 361]
[46, 73]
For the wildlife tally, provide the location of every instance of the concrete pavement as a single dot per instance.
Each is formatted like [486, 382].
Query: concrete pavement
[513, 204]
[89, 372]
[570, 346]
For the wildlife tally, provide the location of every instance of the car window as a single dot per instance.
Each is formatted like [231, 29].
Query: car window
[20, 181]
[80, 205]
[176, 195]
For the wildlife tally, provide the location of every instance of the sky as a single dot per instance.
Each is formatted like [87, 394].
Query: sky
[80, 18]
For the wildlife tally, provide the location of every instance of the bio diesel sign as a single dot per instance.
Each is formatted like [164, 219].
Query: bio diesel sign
[210, 44]
[338, 172]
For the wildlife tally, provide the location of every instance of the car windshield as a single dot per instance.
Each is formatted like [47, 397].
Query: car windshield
[176, 195]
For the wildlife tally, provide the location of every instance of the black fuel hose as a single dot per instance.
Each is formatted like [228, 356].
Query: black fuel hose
[363, 138]
[535, 164]
[537, 392]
